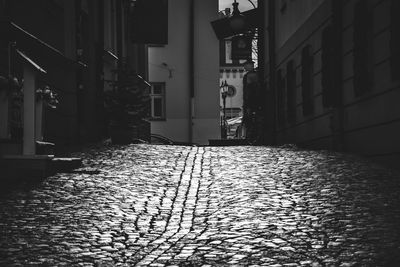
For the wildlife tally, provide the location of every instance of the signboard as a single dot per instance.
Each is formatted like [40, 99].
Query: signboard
[241, 47]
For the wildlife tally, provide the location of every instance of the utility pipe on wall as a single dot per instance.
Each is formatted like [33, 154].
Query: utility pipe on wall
[191, 69]
[272, 69]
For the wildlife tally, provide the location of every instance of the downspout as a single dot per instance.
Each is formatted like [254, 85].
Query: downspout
[261, 65]
[119, 32]
[191, 69]
[337, 22]
[272, 65]
[79, 74]
[102, 125]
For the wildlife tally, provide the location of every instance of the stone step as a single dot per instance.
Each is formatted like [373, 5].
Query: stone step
[37, 165]
[20, 170]
[228, 142]
[44, 148]
[25, 167]
[65, 164]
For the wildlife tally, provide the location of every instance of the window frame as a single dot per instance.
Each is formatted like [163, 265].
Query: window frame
[225, 55]
[161, 96]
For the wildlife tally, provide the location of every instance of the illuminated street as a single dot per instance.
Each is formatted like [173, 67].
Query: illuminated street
[200, 206]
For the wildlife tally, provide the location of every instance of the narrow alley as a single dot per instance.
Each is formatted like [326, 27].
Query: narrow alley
[154, 205]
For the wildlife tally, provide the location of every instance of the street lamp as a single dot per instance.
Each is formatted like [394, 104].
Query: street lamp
[224, 93]
[237, 21]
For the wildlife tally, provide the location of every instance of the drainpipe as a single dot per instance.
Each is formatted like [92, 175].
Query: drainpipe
[338, 109]
[79, 73]
[261, 65]
[102, 125]
[272, 66]
[119, 32]
[191, 69]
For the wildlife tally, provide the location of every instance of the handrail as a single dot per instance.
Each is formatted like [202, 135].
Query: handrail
[12, 30]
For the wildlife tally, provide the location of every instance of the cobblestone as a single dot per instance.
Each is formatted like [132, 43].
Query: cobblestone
[149, 205]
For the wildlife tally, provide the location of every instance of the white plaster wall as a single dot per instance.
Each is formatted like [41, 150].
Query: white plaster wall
[206, 47]
[237, 100]
[175, 129]
[177, 55]
[206, 129]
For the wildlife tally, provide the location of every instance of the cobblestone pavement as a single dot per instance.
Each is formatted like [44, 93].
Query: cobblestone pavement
[150, 205]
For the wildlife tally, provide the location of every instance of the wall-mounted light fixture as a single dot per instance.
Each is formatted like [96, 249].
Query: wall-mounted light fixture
[224, 88]
[165, 65]
[237, 21]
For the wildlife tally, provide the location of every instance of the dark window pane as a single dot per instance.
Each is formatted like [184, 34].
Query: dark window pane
[157, 89]
[158, 107]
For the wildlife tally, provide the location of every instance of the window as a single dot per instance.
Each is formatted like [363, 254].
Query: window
[362, 48]
[234, 72]
[307, 90]
[221, 73]
[157, 96]
[291, 91]
[225, 51]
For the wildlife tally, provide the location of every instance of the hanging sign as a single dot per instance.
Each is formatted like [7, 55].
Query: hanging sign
[241, 47]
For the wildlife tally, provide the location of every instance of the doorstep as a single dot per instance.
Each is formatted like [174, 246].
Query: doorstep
[228, 142]
[25, 166]
[32, 168]
[65, 164]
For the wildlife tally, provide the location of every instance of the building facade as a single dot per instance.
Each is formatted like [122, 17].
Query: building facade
[184, 74]
[333, 78]
[231, 71]
[77, 46]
